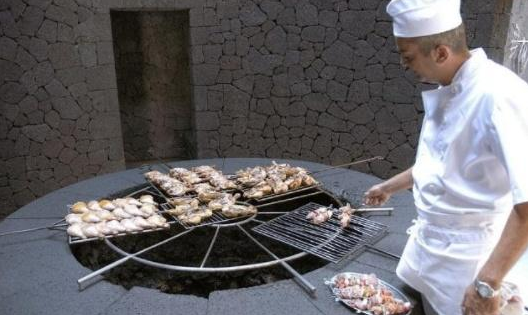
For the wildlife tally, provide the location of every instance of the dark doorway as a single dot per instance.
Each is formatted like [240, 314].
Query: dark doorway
[153, 81]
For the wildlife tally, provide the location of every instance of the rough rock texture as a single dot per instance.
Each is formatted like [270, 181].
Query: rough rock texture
[305, 79]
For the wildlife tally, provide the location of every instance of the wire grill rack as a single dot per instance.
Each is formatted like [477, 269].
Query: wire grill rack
[327, 240]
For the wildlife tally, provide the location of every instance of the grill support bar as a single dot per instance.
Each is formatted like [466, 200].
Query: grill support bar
[298, 278]
[49, 227]
[210, 246]
[125, 259]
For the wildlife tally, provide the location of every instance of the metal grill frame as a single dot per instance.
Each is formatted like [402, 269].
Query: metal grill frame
[327, 240]
[147, 190]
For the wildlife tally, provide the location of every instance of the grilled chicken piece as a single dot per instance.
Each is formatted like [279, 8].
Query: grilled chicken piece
[218, 180]
[319, 215]
[259, 191]
[224, 201]
[345, 215]
[278, 186]
[203, 188]
[195, 216]
[234, 211]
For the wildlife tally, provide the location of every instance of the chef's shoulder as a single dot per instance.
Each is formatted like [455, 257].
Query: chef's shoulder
[502, 88]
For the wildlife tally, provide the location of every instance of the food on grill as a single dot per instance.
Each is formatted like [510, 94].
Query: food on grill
[146, 199]
[127, 215]
[233, 211]
[195, 216]
[204, 170]
[366, 293]
[106, 204]
[274, 179]
[203, 188]
[259, 191]
[94, 205]
[75, 229]
[171, 185]
[319, 215]
[207, 196]
[223, 201]
[345, 214]
[115, 226]
[185, 175]
[79, 207]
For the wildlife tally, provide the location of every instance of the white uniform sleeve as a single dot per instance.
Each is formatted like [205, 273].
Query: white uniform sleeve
[509, 130]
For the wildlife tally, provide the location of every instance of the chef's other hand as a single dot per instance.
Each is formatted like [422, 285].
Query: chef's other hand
[474, 304]
[377, 195]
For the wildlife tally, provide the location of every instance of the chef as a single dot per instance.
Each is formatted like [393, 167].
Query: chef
[470, 177]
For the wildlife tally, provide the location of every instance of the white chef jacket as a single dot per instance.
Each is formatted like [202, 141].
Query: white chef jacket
[471, 168]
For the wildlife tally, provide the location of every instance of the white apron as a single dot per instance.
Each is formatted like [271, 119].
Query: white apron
[444, 254]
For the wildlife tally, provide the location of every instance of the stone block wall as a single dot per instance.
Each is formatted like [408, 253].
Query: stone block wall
[316, 80]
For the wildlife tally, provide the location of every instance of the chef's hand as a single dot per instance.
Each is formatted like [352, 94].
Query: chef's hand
[377, 195]
[474, 304]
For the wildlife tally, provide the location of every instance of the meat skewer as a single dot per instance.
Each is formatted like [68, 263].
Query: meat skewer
[319, 215]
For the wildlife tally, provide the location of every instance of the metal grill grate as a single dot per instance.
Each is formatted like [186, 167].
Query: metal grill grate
[327, 240]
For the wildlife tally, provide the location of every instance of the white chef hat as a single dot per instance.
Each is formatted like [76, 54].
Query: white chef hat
[415, 18]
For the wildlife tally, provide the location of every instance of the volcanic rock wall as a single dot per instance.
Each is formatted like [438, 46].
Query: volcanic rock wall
[317, 80]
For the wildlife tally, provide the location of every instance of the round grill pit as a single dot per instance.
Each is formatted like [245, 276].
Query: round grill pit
[232, 248]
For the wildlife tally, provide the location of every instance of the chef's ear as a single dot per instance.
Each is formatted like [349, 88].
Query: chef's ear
[441, 53]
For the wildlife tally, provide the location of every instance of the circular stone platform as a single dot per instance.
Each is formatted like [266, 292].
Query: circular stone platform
[38, 273]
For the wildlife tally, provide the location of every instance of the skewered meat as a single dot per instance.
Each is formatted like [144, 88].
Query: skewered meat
[105, 215]
[203, 188]
[121, 214]
[103, 228]
[147, 199]
[133, 210]
[277, 184]
[224, 201]
[345, 215]
[142, 223]
[90, 217]
[182, 201]
[218, 180]
[73, 218]
[90, 230]
[115, 226]
[259, 191]
[79, 207]
[182, 209]
[148, 209]
[129, 225]
[94, 205]
[366, 293]
[76, 230]
[319, 215]
[234, 211]
[158, 221]
[106, 204]
[204, 170]
[209, 195]
[195, 216]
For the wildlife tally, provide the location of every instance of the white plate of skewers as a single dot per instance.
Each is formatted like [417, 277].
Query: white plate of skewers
[366, 294]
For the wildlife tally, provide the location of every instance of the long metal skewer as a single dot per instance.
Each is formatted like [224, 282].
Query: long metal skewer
[50, 227]
[374, 209]
[348, 164]
[299, 279]
[126, 258]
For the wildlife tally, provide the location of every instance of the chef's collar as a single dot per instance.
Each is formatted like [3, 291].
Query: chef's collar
[467, 70]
